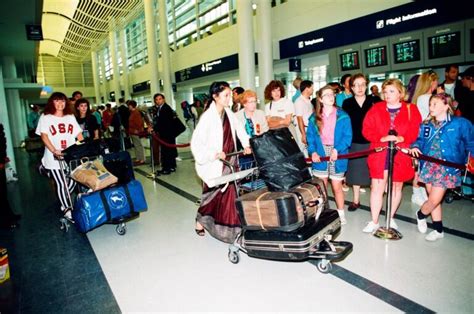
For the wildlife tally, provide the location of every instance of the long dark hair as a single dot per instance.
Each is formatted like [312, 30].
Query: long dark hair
[50, 109]
[82, 101]
[217, 87]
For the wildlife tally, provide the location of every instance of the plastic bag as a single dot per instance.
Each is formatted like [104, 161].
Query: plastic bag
[94, 175]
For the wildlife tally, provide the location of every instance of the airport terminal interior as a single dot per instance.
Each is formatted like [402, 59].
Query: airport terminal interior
[111, 49]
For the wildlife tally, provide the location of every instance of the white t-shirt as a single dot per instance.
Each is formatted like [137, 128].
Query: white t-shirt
[449, 89]
[303, 108]
[61, 131]
[423, 104]
[279, 108]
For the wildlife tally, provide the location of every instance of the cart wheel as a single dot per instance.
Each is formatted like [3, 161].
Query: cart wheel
[449, 198]
[324, 266]
[121, 229]
[64, 224]
[233, 257]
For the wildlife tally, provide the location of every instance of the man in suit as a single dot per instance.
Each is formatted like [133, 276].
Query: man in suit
[163, 116]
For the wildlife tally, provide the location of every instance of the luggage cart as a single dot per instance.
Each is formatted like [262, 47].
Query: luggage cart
[65, 222]
[313, 241]
[465, 191]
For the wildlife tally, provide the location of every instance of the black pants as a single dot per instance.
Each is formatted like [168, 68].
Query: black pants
[168, 154]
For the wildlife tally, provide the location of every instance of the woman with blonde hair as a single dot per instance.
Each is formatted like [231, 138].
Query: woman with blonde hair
[391, 120]
[427, 84]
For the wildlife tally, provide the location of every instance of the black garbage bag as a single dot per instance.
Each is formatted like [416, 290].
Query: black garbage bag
[280, 161]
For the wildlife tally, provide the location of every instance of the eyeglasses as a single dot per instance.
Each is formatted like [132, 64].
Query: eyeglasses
[327, 95]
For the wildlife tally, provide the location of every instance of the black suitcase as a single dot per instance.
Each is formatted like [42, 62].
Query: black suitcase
[313, 240]
[120, 165]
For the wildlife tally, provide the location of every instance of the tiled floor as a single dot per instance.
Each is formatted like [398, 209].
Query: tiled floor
[162, 265]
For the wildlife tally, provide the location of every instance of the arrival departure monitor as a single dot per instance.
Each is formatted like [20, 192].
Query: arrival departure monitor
[408, 51]
[375, 57]
[443, 46]
[350, 61]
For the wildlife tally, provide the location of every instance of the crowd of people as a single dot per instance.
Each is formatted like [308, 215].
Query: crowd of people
[426, 117]
[431, 119]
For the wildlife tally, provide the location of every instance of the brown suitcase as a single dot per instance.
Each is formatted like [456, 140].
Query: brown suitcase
[284, 211]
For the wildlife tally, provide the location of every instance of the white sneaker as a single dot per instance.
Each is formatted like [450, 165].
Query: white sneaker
[417, 199]
[345, 188]
[434, 235]
[342, 217]
[393, 224]
[178, 159]
[421, 223]
[68, 215]
[371, 227]
[362, 190]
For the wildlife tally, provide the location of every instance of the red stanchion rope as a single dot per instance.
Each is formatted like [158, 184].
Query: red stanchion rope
[156, 137]
[432, 159]
[353, 154]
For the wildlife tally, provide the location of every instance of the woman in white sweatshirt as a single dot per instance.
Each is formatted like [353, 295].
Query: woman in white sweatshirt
[214, 138]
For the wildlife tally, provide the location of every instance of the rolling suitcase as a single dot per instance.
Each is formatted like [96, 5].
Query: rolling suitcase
[313, 241]
[120, 165]
[284, 211]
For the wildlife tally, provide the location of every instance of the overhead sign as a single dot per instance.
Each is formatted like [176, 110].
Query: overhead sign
[295, 65]
[141, 87]
[34, 32]
[212, 67]
[405, 18]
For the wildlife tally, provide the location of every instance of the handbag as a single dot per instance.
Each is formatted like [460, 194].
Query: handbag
[93, 174]
[178, 126]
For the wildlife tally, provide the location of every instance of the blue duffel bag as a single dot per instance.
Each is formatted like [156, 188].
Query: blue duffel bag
[114, 203]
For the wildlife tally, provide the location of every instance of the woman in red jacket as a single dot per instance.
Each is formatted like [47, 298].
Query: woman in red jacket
[391, 114]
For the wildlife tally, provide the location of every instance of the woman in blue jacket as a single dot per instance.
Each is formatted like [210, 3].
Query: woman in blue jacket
[329, 133]
[445, 137]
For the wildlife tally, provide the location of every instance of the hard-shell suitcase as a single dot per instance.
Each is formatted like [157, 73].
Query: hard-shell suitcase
[117, 202]
[120, 165]
[301, 244]
[284, 211]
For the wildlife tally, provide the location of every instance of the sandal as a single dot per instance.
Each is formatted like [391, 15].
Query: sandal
[200, 232]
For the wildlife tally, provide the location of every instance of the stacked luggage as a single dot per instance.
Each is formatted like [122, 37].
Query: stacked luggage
[290, 218]
[115, 204]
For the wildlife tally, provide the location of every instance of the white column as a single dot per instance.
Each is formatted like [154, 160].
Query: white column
[246, 45]
[95, 76]
[151, 44]
[123, 54]
[104, 79]
[265, 55]
[14, 104]
[165, 52]
[6, 122]
[113, 56]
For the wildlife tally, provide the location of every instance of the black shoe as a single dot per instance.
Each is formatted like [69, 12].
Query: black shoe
[173, 169]
[164, 172]
[353, 207]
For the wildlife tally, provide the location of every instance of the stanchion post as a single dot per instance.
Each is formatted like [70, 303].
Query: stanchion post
[151, 155]
[386, 232]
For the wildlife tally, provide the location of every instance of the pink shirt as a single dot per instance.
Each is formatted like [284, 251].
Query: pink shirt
[329, 124]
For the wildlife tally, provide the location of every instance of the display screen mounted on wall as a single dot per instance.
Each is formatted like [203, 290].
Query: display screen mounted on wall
[407, 51]
[350, 61]
[445, 45]
[375, 57]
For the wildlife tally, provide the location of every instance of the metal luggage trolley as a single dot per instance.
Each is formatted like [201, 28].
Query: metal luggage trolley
[318, 247]
[121, 227]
